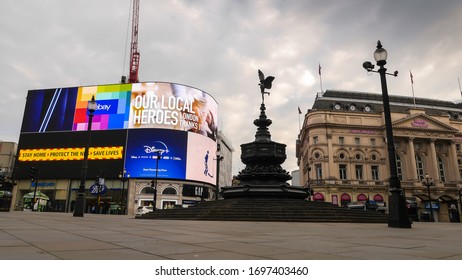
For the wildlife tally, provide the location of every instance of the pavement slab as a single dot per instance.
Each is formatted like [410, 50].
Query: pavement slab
[49, 236]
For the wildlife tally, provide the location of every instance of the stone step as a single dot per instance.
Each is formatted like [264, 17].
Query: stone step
[268, 209]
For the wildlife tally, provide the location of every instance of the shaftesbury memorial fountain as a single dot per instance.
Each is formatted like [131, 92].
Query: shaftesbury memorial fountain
[263, 174]
[263, 193]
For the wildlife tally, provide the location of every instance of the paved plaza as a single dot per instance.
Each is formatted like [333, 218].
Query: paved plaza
[49, 236]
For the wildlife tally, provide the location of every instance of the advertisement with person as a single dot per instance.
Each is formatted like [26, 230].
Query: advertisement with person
[173, 106]
[202, 159]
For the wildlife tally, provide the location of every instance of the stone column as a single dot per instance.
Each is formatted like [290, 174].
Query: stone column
[453, 163]
[432, 164]
[411, 160]
[330, 170]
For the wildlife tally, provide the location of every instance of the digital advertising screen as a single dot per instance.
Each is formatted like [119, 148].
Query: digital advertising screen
[145, 145]
[60, 155]
[112, 107]
[202, 159]
[49, 110]
[173, 106]
[182, 155]
[132, 123]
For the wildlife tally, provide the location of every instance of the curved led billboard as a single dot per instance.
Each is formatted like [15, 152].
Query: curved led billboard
[134, 123]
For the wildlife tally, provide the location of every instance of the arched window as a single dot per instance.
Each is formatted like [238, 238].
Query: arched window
[147, 190]
[399, 167]
[170, 191]
[419, 167]
[362, 197]
[345, 199]
[441, 169]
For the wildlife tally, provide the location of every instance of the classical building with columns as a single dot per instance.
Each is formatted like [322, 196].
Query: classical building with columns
[342, 153]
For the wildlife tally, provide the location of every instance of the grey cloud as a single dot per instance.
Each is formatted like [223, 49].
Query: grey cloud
[218, 46]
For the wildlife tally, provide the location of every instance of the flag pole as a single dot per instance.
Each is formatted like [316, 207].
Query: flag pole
[460, 89]
[412, 86]
[320, 79]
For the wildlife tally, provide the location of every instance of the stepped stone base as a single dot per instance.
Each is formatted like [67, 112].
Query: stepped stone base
[268, 209]
[264, 190]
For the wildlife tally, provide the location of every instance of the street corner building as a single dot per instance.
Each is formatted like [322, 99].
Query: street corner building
[342, 152]
[137, 134]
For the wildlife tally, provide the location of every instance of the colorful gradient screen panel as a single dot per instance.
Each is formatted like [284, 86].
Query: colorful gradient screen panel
[112, 111]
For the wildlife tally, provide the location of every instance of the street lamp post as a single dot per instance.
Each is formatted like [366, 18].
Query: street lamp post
[397, 211]
[124, 177]
[460, 198]
[217, 187]
[34, 180]
[428, 183]
[80, 200]
[100, 184]
[154, 182]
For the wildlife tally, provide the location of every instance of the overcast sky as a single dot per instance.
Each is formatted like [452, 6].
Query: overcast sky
[218, 46]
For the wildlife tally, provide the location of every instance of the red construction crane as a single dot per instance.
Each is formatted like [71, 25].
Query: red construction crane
[134, 52]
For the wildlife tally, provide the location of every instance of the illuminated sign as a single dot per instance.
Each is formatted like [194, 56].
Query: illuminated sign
[49, 110]
[131, 123]
[173, 106]
[145, 145]
[94, 153]
[122, 106]
[112, 107]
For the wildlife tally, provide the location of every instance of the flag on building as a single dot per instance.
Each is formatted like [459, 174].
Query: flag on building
[412, 86]
[320, 78]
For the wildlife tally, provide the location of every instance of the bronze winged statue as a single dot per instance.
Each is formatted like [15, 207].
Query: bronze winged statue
[265, 83]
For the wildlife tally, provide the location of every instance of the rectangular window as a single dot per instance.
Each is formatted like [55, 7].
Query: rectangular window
[341, 140]
[420, 168]
[357, 141]
[373, 142]
[375, 172]
[359, 172]
[342, 171]
[441, 170]
[318, 168]
[399, 168]
[315, 140]
[458, 147]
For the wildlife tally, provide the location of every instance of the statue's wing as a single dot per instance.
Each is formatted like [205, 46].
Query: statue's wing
[261, 76]
[268, 82]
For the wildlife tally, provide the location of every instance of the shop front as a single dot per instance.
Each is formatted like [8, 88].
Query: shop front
[5, 201]
[52, 198]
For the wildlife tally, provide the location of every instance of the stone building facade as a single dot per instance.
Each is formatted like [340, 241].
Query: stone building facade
[342, 151]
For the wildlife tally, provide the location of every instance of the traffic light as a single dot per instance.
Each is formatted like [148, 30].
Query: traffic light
[32, 173]
[153, 184]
